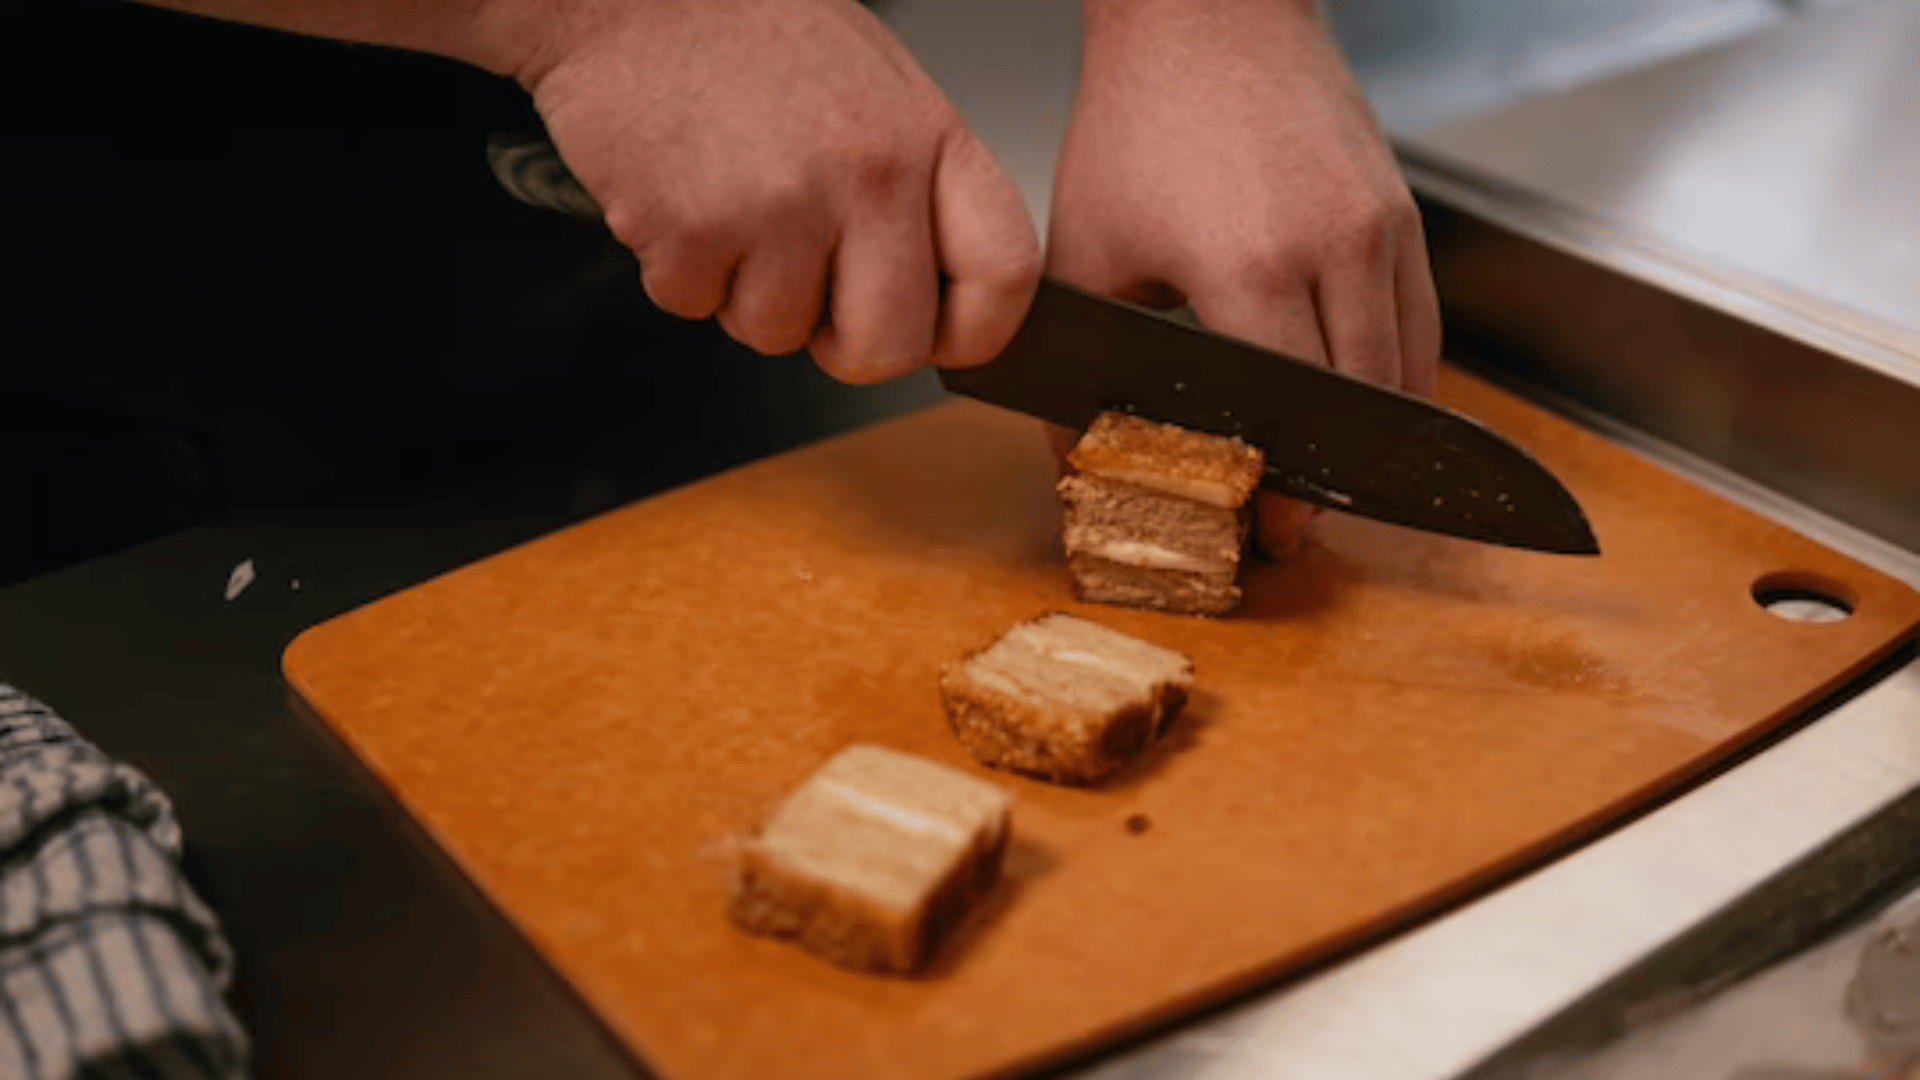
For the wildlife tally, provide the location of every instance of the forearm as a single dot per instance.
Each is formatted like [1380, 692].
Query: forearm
[507, 37]
[1199, 41]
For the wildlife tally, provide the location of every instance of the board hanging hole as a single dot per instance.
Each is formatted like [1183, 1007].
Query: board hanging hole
[1802, 597]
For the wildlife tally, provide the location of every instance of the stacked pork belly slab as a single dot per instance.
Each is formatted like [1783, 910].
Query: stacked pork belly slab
[1157, 515]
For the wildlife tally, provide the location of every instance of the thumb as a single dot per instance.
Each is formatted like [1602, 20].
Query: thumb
[988, 253]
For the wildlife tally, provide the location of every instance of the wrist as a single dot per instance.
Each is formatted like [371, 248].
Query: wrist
[526, 39]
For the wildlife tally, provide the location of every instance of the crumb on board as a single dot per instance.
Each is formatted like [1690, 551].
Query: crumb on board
[1138, 823]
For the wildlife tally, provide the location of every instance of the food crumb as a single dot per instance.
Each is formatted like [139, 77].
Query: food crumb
[241, 577]
[1138, 823]
[801, 571]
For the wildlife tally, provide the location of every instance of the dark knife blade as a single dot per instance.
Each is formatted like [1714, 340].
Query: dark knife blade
[1329, 438]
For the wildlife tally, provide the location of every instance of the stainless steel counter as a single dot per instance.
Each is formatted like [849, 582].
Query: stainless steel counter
[1722, 250]
[1788, 158]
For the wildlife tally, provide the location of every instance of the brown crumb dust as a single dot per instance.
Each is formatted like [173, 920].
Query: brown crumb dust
[1138, 823]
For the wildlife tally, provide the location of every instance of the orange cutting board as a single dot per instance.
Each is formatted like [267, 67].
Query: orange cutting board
[587, 721]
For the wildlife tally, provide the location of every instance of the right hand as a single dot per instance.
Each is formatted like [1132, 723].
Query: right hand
[1222, 154]
[787, 166]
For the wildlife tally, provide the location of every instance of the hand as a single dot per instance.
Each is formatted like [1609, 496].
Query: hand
[787, 166]
[1220, 154]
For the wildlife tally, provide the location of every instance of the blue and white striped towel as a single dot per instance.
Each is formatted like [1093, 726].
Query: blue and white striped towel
[110, 966]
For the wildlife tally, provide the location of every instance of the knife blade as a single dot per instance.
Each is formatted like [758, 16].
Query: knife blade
[1329, 438]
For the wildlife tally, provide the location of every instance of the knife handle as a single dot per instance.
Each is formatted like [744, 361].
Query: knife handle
[529, 167]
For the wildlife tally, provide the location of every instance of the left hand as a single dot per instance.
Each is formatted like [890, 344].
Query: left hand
[1221, 154]
[781, 164]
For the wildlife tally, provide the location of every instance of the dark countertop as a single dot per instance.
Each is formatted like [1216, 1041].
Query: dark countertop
[362, 951]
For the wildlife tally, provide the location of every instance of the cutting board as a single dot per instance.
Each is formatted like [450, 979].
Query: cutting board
[589, 722]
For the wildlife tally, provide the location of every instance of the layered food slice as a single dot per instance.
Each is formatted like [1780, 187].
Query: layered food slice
[873, 860]
[1157, 515]
[1064, 699]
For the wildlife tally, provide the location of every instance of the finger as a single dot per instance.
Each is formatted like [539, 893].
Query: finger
[1147, 292]
[1359, 313]
[988, 251]
[1284, 319]
[688, 277]
[1154, 294]
[778, 293]
[1420, 332]
[1079, 258]
[1279, 523]
[884, 296]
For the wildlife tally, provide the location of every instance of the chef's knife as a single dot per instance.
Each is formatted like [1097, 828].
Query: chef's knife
[1329, 438]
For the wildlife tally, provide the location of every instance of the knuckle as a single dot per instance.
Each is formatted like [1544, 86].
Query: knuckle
[706, 234]
[865, 366]
[880, 176]
[630, 235]
[686, 272]
[632, 221]
[685, 306]
[743, 332]
[1403, 214]
[1365, 233]
[679, 293]
[1373, 228]
[1273, 268]
[1018, 271]
[788, 336]
[738, 328]
[833, 358]
[780, 202]
[624, 226]
[763, 337]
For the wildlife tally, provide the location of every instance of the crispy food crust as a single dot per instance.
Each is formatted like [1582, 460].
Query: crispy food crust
[1192, 464]
[1061, 745]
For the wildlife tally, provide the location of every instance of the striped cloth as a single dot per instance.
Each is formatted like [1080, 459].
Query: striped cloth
[110, 966]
